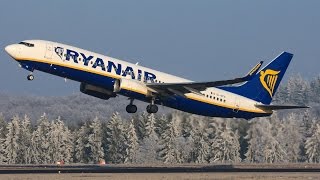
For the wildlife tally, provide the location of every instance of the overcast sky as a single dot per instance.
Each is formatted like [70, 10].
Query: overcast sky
[198, 40]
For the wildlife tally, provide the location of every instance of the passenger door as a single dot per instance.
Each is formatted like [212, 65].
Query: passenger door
[49, 51]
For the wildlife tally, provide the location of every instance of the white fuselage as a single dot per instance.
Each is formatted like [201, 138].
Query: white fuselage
[96, 69]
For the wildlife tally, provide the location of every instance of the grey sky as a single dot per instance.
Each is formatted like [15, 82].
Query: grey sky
[199, 40]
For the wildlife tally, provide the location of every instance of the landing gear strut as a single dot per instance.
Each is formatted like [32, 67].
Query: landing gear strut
[152, 108]
[131, 108]
[30, 77]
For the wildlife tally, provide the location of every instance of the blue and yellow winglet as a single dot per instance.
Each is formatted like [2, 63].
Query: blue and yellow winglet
[253, 71]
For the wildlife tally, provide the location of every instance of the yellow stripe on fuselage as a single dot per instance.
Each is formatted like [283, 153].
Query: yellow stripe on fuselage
[70, 66]
[110, 75]
[207, 101]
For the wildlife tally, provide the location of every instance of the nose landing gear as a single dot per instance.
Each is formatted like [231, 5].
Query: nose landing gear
[30, 77]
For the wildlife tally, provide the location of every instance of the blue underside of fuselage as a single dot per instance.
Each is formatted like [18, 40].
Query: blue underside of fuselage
[176, 102]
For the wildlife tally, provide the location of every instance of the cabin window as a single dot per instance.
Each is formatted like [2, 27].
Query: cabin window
[26, 44]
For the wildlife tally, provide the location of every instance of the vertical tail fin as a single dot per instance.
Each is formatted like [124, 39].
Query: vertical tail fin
[265, 83]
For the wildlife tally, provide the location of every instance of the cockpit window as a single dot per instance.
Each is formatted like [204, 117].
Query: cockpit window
[27, 44]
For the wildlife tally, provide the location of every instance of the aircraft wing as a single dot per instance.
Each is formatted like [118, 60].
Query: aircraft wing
[196, 87]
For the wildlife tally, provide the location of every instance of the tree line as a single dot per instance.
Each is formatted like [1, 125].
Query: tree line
[174, 138]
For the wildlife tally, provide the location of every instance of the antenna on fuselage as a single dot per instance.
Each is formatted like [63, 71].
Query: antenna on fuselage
[137, 63]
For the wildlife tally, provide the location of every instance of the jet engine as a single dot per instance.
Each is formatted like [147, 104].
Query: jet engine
[96, 91]
[132, 85]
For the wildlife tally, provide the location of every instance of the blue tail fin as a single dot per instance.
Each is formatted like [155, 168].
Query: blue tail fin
[264, 84]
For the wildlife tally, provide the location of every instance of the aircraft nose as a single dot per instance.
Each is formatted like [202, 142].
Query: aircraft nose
[11, 50]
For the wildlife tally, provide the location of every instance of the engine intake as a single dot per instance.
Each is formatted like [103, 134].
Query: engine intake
[132, 85]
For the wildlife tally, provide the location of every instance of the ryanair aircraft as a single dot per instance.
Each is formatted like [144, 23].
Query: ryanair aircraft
[105, 77]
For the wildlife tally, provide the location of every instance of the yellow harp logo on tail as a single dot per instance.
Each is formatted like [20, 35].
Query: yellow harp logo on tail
[268, 79]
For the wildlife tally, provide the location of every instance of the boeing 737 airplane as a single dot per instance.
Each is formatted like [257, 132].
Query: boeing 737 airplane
[105, 77]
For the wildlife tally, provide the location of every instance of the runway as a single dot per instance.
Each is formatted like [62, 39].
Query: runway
[163, 168]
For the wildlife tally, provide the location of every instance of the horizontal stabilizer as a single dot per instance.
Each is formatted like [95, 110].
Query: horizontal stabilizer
[278, 107]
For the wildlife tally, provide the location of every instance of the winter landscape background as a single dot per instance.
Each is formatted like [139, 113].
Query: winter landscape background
[83, 129]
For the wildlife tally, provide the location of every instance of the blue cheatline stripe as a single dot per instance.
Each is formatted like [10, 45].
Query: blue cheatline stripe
[176, 102]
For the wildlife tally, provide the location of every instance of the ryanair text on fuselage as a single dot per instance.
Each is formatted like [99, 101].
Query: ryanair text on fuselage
[97, 62]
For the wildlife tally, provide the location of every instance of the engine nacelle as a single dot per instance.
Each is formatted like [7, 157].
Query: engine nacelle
[96, 91]
[132, 85]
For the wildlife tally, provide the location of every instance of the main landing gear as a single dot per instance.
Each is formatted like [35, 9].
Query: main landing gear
[30, 77]
[131, 108]
[152, 108]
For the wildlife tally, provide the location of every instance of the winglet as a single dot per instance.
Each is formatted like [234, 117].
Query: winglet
[253, 71]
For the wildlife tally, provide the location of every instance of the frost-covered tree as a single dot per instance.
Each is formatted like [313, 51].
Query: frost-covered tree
[161, 125]
[297, 89]
[281, 95]
[186, 126]
[61, 142]
[313, 146]
[81, 147]
[264, 139]
[149, 145]
[3, 132]
[308, 123]
[11, 142]
[225, 144]
[177, 119]
[40, 141]
[254, 152]
[25, 135]
[132, 144]
[150, 125]
[169, 151]
[315, 90]
[291, 138]
[141, 126]
[185, 141]
[2, 151]
[3, 126]
[95, 141]
[115, 140]
[273, 149]
[201, 148]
